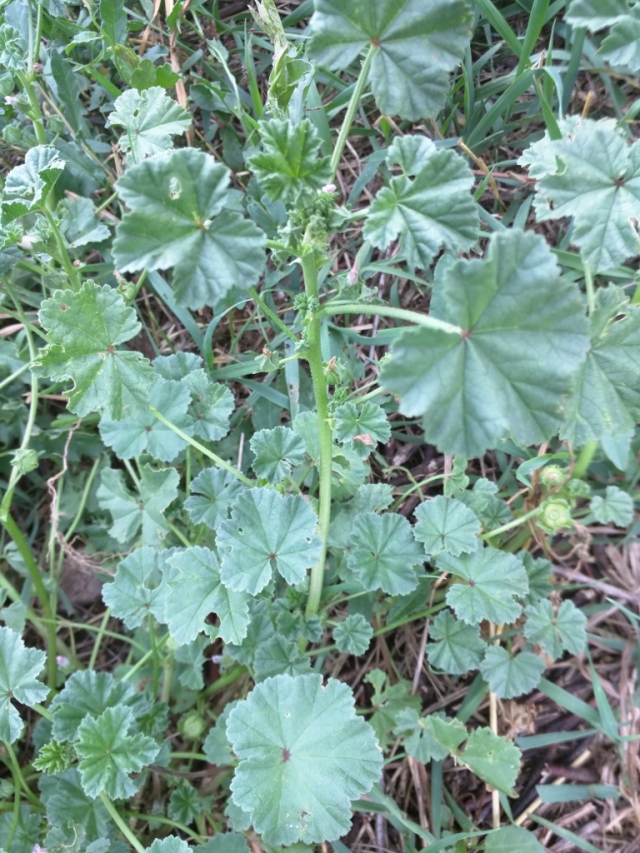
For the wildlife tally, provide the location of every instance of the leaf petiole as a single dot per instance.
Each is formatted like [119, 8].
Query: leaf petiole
[354, 103]
[389, 311]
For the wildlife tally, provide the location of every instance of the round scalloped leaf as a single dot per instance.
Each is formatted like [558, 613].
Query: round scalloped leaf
[510, 838]
[150, 119]
[304, 756]
[458, 647]
[279, 656]
[491, 580]
[180, 217]
[416, 45]
[213, 494]
[19, 666]
[433, 210]
[384, 555]
[136, 589]
[27, 186]
[195, 591]
[170, 844]
[509, 676]
[276, 452]
[445, 524]
[108, 755]
[83, 331]
[494, 759]
[86, 692]
[353, 634]
[615, 507]
[267, 531]
[556, 632]
[470, 388]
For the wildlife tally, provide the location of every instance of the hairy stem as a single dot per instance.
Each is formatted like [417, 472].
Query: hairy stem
[389, 311]
[354, 103]
[314, 357]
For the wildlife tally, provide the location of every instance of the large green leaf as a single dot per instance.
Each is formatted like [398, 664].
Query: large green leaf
[84, 328]
[490, 582]
[416, 45]
[556, 631]
[267, 531]
[19, 667]
[195, 591]
[458, 647]
[445, 524]
[150, 119]
[384, 554]
[136, 590]
[142, 431]
[108, 755]
[606, 401]
[27, 186]
[593, 175]
[621, 47]
[432, 211]
[494, 759]
[276, 451]
[511, 370]
[615, 507]
[289, 164]
[353, 634]
[508, 675]
[304, 755]
[213, 494]
[182, 217]
[86, 693]
[157, 489]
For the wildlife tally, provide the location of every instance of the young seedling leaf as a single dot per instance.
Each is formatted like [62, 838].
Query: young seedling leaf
[304, 755]
[509, 676]
[108, 755]
[19, 668]
[84, 329]
[143, 432]
[86, 693]
[458, 647]
[156, 491]
[150, 120]
[494, 759]
[288, 164]
[267, 531]
[353, 634]
[470, 388]
[279, 656]
[136, 590]
[364, 425]
[417, 739]
[213, 493]
[445, 524]
[211, 406]
[556, 632]
[276, 452]
[13, 49]
[384, 555]
[184, 804]
[490, 582]
[428, 207]
[416, 46]
[616, 507]
[592, 174]
[195, 591]
[27, 186]
[179, 218]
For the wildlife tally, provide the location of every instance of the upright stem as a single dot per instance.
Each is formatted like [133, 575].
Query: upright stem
[314, 357]
[351, 111]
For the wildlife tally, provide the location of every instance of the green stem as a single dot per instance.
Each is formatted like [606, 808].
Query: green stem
[65, 260]
[15, 375]
[588, 282]
[98, 638]
[584, 460]
[17, 774]
[224, 681]
[389, 311]
[26, 81]
[271, 314]
[208, 453]
[34, 572]
[138, 666]
[354, 103]
[515, 523]
[119, 822]
[314, 358]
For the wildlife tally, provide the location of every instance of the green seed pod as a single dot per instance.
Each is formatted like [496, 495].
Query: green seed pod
[552, 475]
[192, 725]
[555, 515]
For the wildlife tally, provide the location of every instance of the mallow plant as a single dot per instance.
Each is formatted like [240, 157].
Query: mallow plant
[282, 547]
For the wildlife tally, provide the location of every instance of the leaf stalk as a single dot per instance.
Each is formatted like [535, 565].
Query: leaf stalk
[389, 311]
[354, 103]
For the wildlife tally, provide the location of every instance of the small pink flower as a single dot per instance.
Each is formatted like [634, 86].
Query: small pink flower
[61, 660]
[353, 274]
